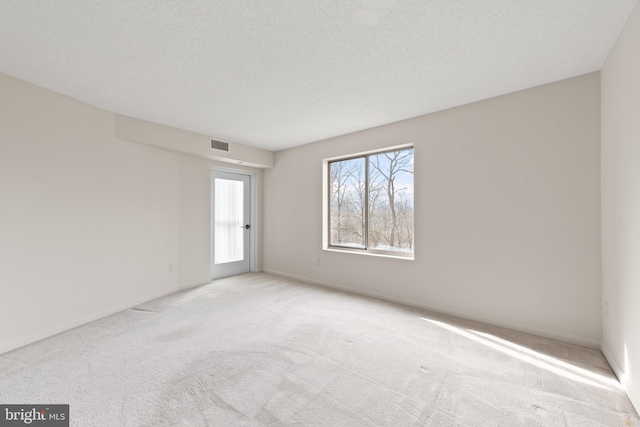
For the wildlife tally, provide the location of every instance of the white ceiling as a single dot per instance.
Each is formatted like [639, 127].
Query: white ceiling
[280, 73]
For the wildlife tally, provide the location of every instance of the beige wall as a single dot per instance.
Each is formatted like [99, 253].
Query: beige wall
[507, 212]
[193, 144]
[195, 220]
[621, 206]
[90, 223]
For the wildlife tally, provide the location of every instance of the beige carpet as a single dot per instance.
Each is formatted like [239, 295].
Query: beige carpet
[261, 350]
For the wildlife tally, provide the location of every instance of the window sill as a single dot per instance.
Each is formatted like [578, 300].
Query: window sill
[373, 254]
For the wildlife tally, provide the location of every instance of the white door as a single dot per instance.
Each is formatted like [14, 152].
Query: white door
[231, 224]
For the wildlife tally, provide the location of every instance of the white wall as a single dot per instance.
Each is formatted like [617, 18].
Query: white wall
[621, 206]
[507, 212]
[89, 223]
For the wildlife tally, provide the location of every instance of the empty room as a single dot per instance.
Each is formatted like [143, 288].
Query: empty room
[319, 213]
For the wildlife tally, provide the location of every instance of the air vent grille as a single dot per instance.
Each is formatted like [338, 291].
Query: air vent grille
[219, 145]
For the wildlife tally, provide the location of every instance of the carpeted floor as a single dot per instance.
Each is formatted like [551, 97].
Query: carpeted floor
[258, 349]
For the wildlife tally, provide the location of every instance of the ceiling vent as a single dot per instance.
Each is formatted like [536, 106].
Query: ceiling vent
[219, 145]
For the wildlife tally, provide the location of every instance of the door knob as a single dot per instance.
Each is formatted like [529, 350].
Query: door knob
[247, 226]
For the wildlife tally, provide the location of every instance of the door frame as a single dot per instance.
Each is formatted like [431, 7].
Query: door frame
[252, 216]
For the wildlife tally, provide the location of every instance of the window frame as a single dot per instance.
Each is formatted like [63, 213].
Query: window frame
[366, 249]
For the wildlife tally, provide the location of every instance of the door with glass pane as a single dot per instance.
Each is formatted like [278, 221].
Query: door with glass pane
[231, 224]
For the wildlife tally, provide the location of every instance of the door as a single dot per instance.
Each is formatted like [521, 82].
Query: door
[231, 224]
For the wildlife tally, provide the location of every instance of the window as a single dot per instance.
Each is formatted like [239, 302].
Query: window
[371, 202]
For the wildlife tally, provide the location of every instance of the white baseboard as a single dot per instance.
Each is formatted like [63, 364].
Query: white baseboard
[30, 339]
[547, 334]
[612, 362]
[627, 385]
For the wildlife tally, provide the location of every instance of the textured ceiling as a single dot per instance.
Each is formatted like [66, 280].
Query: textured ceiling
[280, 73]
